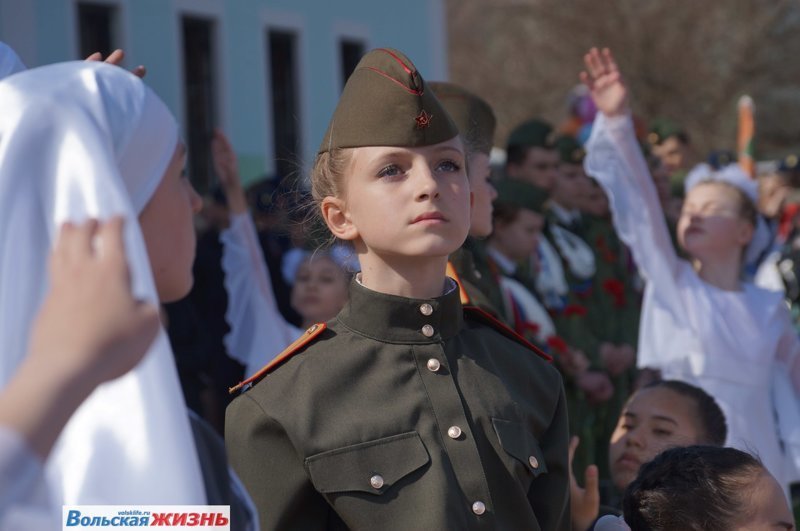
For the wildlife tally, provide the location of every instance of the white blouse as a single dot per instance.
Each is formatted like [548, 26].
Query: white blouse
[739, 346]
[259, 331]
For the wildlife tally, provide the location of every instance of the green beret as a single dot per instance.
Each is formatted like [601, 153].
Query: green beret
[570, 150]
[521, 194]
[472, 115]
[662, 129]
[387, 103]
[533, 133]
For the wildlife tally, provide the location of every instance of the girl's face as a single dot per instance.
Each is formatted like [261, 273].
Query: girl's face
[519, 238]
[653, 420]
[320, 289]
[403, 202]
[483, 194]
[767, 507]
[711, 222]
[168, 230]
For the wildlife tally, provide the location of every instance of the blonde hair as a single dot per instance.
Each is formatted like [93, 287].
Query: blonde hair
[327, 180]
[747, 208]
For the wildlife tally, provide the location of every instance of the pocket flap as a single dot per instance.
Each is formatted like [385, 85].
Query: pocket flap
[371, 467]
[518, 442]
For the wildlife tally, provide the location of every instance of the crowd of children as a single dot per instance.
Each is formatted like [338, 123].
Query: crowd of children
[468, 347]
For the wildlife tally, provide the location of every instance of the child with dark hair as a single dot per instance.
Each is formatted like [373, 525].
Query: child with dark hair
[704, 488]
[661, 415]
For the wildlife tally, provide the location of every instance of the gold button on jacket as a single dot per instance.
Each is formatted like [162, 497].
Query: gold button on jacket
[357, 408]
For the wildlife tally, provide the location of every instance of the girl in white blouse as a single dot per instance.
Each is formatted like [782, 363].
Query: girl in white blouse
[700, 322]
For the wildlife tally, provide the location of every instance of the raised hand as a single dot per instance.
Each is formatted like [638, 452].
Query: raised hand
[584, 502]
[605, 83]
[115, 58]
[89, 330]
[227, 169]
[90, 324]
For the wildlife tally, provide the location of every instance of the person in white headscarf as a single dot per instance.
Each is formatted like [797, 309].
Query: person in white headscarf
[89, 330]
[86, 140]
[10, 63]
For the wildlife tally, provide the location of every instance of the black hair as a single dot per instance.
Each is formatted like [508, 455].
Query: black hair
[680, 136]
[692, 488]
[714, 428]
[516, 153]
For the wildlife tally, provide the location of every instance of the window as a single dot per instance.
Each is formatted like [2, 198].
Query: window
[351, 52]
[97, 28]
[282, 54]
[200, 98]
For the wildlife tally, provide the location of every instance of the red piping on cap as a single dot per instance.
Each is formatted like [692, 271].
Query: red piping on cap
[405, 67]
[387, 76]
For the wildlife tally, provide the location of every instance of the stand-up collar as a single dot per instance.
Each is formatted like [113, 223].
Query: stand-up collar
[396, 319]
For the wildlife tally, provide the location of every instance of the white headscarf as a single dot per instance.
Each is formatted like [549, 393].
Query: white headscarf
[10, 62]
[81, 140]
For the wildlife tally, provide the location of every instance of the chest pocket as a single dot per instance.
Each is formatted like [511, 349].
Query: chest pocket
[372, 467]
[527, 457]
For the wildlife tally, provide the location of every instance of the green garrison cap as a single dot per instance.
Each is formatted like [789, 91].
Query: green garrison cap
[661, 129]
[472, 115]
[521, 194]
[570, 150]
[533, 133]
[387, 103]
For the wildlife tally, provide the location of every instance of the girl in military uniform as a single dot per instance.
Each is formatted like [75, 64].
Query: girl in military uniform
[406, 411]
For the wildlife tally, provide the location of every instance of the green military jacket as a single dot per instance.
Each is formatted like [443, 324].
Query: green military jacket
[615, 300]
[481, 291]
[573, 322]
[405, 414]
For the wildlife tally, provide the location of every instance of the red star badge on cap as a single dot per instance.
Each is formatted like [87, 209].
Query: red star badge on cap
[423, 119]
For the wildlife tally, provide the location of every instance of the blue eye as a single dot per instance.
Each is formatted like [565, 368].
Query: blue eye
[448, 166]
[391, 170]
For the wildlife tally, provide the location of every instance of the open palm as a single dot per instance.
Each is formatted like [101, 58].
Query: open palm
[605, 83]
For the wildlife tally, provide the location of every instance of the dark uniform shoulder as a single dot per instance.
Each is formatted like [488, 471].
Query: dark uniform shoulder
[475, 314]
[296, 346]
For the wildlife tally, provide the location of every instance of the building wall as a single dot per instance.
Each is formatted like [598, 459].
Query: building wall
[46, 31]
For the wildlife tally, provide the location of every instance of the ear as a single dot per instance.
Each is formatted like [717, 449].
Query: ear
[337, 219]
[745, 233]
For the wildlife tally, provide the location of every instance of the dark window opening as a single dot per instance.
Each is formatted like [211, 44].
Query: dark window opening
[351, 52]
[200, 100]
[96, 29]
[285, 112]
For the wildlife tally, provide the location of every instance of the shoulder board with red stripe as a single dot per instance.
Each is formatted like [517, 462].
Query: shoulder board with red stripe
[451, 272]
[287, 353]
[489, 320]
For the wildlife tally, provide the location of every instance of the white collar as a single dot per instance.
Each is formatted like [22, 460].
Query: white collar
[566, 217]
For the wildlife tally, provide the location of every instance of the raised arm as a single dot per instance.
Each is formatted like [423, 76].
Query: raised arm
[258, 329]
[615, 159]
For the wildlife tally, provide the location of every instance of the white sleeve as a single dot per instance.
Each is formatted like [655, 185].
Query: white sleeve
[615, 159]
[258, 330]
[788, 351]
[24, 500]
